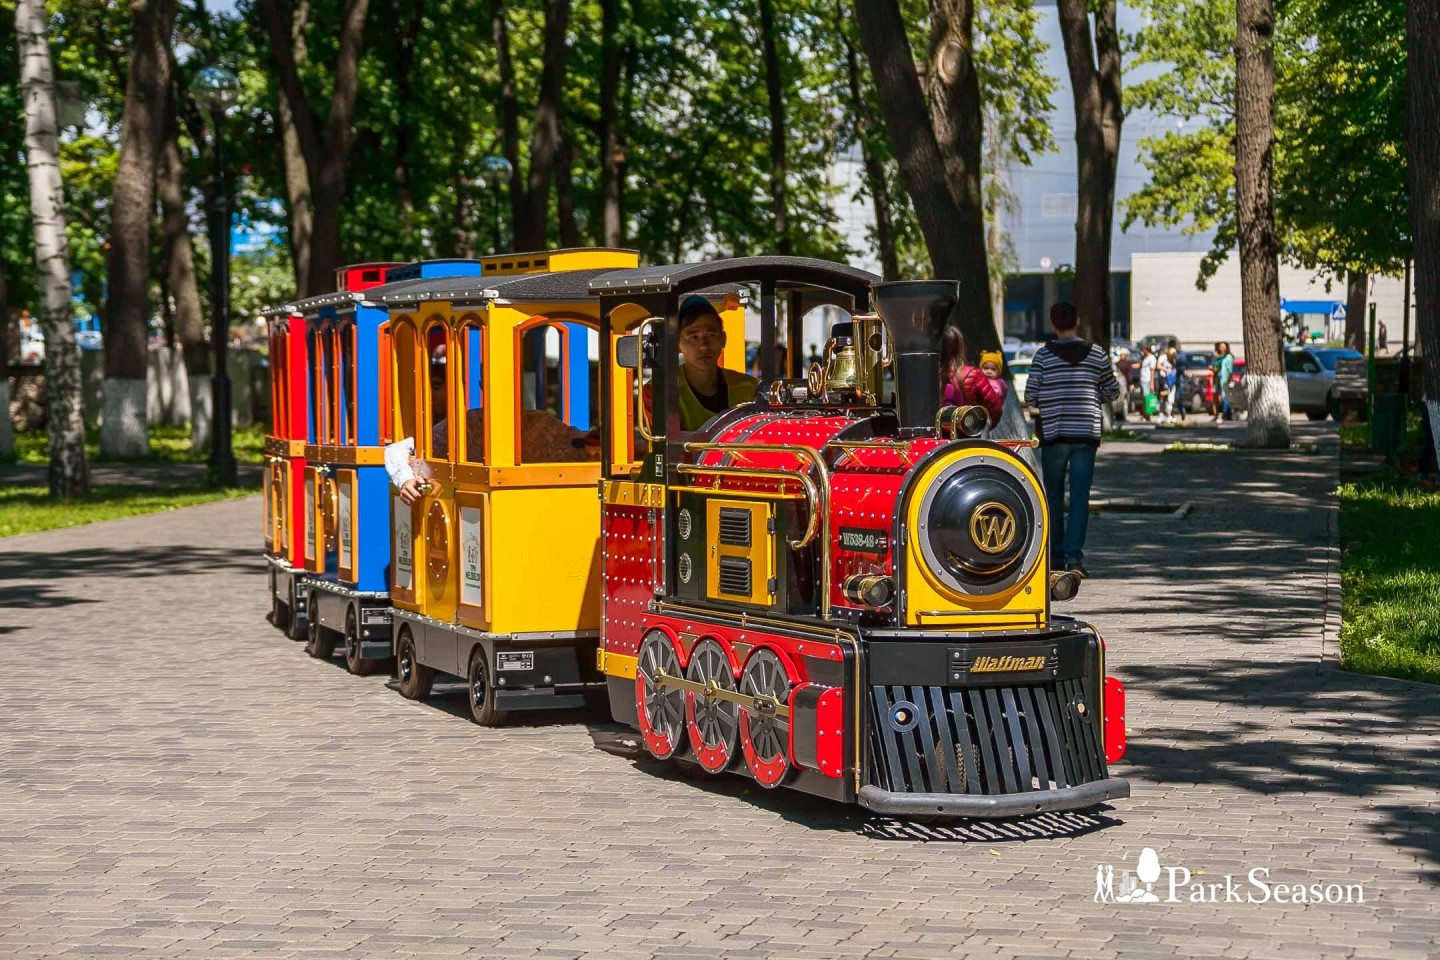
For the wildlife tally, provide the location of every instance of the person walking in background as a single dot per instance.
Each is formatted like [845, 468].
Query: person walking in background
[1166, 380]
[1224, 366]
[1069, 379]
[1149, 399]
[965, 385]
[1382, 336]
[1125, 368]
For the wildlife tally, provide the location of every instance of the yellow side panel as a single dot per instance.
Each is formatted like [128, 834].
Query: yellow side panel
[929, 603]
[545, 545]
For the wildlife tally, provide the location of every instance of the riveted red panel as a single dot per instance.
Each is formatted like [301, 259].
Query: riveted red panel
[1115, 739]
[633, 551]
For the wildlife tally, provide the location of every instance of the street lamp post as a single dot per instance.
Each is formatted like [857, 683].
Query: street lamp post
[495, 170]
[216, 88]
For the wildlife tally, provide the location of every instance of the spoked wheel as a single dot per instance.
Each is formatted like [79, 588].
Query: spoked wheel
[661, 712]
[322, 641]
[764, 735]
[415, 678]
[482, 691]
[357, 664]
[713, 723]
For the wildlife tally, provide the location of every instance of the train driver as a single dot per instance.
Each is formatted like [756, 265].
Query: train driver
[706, 388]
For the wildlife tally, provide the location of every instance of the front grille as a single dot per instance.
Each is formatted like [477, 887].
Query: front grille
[991, 740]
[734, 527]
[735, 576]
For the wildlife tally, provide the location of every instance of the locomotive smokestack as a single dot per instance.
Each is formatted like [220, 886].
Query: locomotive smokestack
[915, 312]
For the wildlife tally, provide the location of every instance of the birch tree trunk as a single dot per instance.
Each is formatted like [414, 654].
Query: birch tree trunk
[64, 418]
[124, 431]
[1422, 39]
[1095, 84]
[1268, 419]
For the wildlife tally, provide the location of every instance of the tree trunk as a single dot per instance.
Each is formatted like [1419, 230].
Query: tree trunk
[1422, 39]
[612, 159]
[1268, 419]
[565, 197]
[64, 419]
[545, 140]
[509, 107]
[123, 428]
[406, 39]
[775, 100]
[924, 166]
[959, 130]
[1356, 289]
[292, 161]
[324, 154]
[7, 430]
[1095, 84]
[875, 180]
[180, 275]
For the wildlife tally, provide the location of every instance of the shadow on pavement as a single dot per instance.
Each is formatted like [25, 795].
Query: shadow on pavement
[36, 580]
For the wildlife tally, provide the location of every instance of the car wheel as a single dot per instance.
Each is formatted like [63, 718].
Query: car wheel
[322, 641]
[415, 678]
[356, 664]
[482, 691]
[1332, 409]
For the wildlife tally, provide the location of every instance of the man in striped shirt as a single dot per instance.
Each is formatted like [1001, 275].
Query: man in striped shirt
[1069, 379]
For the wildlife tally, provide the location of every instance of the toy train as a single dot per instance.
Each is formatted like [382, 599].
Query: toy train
[833, 586]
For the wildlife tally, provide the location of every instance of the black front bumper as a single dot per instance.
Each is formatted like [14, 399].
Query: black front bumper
[993, 806]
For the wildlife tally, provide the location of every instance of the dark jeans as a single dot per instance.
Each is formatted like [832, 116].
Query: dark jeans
[1067, 533]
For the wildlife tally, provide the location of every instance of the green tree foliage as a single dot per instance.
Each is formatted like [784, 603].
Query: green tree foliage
[1339, 124]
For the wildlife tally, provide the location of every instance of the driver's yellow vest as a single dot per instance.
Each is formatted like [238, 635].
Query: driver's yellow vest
[694, 414]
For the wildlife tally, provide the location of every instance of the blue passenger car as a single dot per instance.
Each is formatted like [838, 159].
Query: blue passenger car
[347, 505]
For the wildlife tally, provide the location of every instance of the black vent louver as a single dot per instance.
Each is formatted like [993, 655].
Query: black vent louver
[734, 527]
[735, 576]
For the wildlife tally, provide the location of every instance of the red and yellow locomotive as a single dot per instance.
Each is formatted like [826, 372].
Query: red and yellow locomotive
[836, 587]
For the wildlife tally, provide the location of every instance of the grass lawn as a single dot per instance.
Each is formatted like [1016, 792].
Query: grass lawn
[168, 444]
[30, 509]
[1390, 579]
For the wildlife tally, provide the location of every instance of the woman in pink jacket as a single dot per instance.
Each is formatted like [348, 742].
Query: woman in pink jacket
[964, 384]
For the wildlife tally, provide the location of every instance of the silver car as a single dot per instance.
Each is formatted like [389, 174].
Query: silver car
[1310, 375]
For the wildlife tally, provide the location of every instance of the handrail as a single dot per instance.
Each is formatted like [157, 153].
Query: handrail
[640, 424]
[812, 495]
[820, 505]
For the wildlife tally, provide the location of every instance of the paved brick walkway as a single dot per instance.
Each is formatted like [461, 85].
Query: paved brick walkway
[178, 780]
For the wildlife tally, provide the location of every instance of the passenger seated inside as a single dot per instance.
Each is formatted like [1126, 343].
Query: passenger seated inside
[706, 388]
[543, 438]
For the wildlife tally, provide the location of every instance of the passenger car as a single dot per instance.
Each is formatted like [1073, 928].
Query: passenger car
[1310, 376]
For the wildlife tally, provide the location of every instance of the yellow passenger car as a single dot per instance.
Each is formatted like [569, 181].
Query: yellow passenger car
[495, 570]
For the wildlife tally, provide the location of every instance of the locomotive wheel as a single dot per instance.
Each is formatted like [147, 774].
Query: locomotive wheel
[357, 664]
[415, 678]
[482, 691]
[714, 724]
[661, 712]
[322, 641]
[765, 738]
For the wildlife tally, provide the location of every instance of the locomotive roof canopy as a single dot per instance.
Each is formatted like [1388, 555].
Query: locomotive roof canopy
[679, 278]
[559, 286]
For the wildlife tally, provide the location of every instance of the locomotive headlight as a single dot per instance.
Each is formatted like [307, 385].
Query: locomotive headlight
[981, 526]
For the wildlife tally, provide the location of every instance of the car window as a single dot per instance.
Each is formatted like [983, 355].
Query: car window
[1295, 361]
[1328, 358]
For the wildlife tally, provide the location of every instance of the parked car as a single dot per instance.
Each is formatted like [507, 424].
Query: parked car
[1021, 371]
[1159, 341]
[1310, 377]
[1197, 380]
